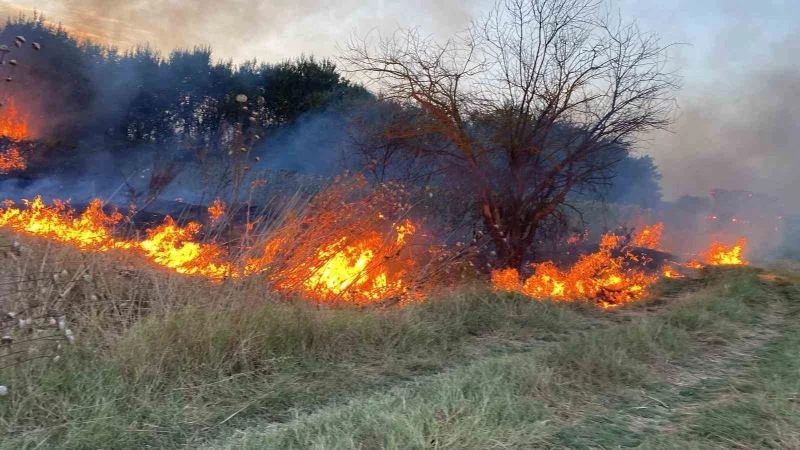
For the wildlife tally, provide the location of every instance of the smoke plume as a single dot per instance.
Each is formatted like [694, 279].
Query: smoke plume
[739, 130]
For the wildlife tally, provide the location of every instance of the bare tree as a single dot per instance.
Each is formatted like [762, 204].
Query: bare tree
[534, 101]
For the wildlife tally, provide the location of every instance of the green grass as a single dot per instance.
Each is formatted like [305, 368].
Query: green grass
[714, 365]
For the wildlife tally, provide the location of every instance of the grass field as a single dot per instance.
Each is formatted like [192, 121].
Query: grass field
[162, 361]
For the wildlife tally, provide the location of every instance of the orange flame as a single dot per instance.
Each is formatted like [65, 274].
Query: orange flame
[670, 272]
[177, 248]
[168, 245]
[649, 237]
[599, 276]
[216, 210]
[13, 124]
[720, 254]
[694, 264]
[89, 230]
[350, 270]
[356, 264]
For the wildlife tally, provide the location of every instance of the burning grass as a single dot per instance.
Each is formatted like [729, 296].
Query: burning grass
[363, 257]
[318, 253]
[727, 255]
[612, 275]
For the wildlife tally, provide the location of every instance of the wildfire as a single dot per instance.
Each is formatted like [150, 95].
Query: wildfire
[599, 275]
[360, 258]
[13, 124]
[89, 230]
[318, 256]
[168, 245]
[351, 270]
[178, 248]
[216, 210]
[649, 237]
[11, 160]
[720, 254]
[670, 272]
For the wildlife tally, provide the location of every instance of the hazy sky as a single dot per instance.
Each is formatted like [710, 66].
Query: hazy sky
[739, 120]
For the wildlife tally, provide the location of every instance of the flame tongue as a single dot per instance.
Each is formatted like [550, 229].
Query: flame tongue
[216, 210]
[13, 124]
[649, 237]
[177, 248]
[720, 254]
[357, 269]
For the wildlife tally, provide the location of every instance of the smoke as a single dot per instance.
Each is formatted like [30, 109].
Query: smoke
[739, 129]
[245, 29]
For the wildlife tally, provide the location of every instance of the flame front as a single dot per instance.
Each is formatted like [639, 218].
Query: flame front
[360, 259]
[168, 245]
[600, 276]
[89, 230]
[355, 267]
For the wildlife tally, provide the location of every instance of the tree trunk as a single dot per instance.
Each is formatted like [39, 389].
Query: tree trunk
[511, 238]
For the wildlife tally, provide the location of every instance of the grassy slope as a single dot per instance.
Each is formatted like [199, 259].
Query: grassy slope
[715, 365]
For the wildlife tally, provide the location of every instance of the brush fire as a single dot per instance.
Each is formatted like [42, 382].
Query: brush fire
[359, 260]
[13, 128]
[341, 251]
[354, 242]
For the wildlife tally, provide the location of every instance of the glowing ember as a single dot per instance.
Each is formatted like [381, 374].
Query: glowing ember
[13, 124]
[670, 272]
[599, 276]
[720, 254]
[216, 210]
[11, 160]
[694, 264]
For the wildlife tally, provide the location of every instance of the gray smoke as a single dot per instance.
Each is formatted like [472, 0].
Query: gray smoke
[740, 129]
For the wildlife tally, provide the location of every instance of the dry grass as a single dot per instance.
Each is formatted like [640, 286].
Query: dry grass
[168, 361]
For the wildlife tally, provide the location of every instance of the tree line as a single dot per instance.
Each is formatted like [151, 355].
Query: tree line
[531, 112]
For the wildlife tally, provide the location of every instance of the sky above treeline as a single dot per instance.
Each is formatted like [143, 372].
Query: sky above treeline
[738, 122]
